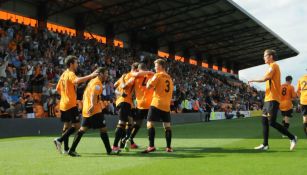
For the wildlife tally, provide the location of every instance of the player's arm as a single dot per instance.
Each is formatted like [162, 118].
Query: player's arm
[91, 107]
[152, 82]
[118, 82]
[143, 73]
[78, 80]
[263, 79]
[128, 83]
[94, 93]
[267, 77]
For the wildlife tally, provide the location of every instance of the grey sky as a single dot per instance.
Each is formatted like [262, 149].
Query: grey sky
[288, 19]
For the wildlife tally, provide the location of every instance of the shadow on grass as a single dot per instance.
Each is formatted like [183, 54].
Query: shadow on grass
[221, 150]
[184, 152]
[157, 154]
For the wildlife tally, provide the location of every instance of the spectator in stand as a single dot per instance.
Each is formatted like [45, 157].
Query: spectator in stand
[4, 106]
[195, 105]
[36, 82]
[29, 107]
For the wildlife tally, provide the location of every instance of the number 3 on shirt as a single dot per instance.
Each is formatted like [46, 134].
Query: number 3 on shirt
[167, 85]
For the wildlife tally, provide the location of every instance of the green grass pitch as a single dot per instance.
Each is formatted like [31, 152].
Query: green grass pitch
[219, 147]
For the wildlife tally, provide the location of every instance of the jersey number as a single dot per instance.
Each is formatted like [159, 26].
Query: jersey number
[304, 86]
[167, 86]
[144, 82]
[284, 91]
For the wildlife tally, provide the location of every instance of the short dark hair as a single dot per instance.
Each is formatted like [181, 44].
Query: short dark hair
[142, 66]
[101, 70]
[271, 52]
[134, 66]
[161, 62]
[70, 59]
[289, 78]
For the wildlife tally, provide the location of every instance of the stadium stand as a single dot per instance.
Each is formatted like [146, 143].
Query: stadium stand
[32, 61]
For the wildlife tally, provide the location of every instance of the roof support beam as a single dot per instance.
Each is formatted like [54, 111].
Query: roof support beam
[68, 6]
[152, 18]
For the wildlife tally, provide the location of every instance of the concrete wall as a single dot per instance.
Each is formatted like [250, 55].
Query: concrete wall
[47, 126]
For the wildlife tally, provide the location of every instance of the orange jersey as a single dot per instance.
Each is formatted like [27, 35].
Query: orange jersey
[163, 91]
[143, 95]
[302, 89]
[287, 94]
[125, 94]
[93, 88]
[67, 90]
[272, 86]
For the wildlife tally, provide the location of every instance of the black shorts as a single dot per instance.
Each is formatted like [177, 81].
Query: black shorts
[270, 108]
[94, 122]
[157, 115]
[287, 113]
[141, 114]
[304, 110]
[124, 111]
[71, 115]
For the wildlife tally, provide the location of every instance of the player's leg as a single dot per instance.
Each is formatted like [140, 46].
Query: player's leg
[124, 111]
[73, 114]
[66, 140]
[168, 136]
[304, 112]
[125, 143]
[140, 115]
[136, 127]
[121, 143]
[151, 137]
[129, 125]
[66, 118]
[105, 139]
[286, 122]
[265, 128]
[153, 115]
[72, 151]
[287, 116]
[166, 119]
[119, 132]
[58, 141]
[272, 118]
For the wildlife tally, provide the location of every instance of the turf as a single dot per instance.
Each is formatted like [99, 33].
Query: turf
[218, 147]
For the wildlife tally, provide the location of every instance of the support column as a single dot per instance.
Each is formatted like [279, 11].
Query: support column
[220, 65]
[42, 15]
[210, 62]
[199, 58]
[186, 55]
[228, 66]
[171, 51]
[79, 26]
[110, 34]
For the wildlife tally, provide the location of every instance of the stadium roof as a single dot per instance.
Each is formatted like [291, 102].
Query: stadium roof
[218, 29]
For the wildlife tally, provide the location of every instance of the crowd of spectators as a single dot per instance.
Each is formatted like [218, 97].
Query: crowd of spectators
[32, 60]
